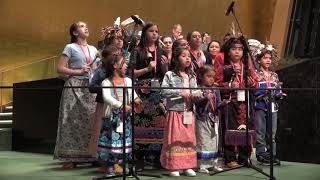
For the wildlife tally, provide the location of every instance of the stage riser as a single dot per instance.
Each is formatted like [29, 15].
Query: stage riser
[5, 139]
[35, 115]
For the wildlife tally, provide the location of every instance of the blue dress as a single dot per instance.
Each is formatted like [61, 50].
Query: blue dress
[110, 141]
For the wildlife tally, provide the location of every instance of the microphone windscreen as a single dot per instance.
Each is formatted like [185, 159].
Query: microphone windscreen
[230, 8]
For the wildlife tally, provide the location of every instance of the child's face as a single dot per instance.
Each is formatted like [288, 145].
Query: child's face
[236, 54]
[118, 42]
[152, 34]
[208, 78]
[121, 67]
[265, 61]
[82, 30]
[185, 59]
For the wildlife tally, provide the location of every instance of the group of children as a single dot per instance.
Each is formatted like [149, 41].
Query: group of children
[192, 132]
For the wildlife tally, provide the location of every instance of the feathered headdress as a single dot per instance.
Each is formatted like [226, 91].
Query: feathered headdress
[264, 49]
[234, 33]
[255, 47]
[233, 39]
[113, 31]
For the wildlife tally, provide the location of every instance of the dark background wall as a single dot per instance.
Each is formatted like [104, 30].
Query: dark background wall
[35, 115]
[299, 115]
[39, 28]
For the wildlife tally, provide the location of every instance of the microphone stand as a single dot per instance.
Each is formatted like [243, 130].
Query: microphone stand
[248, 162]
[269, 120]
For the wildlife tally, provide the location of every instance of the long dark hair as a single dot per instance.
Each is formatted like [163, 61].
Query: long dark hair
[144, 38]
[73, 27]
[108, 63]
[176, 62]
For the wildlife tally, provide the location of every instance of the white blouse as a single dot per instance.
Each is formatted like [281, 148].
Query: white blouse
[112, 102]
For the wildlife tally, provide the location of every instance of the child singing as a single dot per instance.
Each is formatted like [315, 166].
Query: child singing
[179, 141]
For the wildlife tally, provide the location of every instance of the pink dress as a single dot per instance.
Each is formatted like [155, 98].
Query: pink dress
[179, 141]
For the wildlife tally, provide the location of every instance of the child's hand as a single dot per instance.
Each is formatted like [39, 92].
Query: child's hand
[234, 84]
[151, 65]
[251, 82]
[185, 94]
[128, 108]
[138, 108]
[85, 69]
[196, 95]
[164, 60]
[137, 101]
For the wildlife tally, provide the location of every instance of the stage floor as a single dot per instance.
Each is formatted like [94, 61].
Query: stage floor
[31, 166]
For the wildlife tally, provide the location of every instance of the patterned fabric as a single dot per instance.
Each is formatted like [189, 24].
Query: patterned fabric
[76, 123]
[235, 112]
[207, 128]
[207, 143]
[111, 142]
[274, 77]
[149, 123]
[179, 143]
[271, 80]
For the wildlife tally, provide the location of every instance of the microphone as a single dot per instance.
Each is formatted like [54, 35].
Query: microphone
[138, 20]
[230, 8]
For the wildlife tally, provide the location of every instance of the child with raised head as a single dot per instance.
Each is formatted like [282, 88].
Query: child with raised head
[74, 143]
